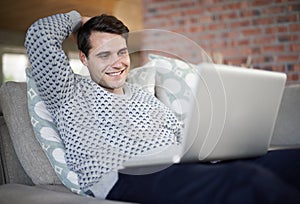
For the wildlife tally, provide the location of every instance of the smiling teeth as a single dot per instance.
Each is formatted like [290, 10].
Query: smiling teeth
[115, 73]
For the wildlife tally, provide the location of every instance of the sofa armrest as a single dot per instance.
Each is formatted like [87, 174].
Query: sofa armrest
[2, 176]
[287, 128]
[18, 193]
[11, 169]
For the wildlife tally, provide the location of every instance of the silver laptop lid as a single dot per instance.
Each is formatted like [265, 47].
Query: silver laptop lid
[233, 113]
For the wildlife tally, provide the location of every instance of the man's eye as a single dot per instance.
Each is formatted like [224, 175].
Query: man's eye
[123, 52]
[104, 56]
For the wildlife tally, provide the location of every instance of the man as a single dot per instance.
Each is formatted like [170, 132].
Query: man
[105, 54]
[104, 121]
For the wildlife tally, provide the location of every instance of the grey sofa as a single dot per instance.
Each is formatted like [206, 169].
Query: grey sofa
[26, 175]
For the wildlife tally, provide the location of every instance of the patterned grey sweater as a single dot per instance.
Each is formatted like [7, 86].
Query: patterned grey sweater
[100, 130]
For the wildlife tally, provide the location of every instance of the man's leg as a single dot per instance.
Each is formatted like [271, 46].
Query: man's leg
[284, 163]
[230, 182]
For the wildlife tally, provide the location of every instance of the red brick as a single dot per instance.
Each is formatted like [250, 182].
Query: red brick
[205, 47]
[205, 19]
[217, 26]
[260, 2]
[249, 13]
[243, 42]
[273, 48]
[236, 61]
[257, 59]
[207, 2]
[186, 4]
[278, 29]
[294, 7]
[263, 21]
[288, 38]
[245, 51]
[275, 9]
[278, 68]
[218, 45]
[195, 11]
[295, 27]
[231, 34]
[295, 47]
[252, 31]
[157, 1]
[196, 29]
[238, 5]
[287, 18]
[284, 1]
[167, 7]
[210, 37]
[288, 58]
[256, 50]
[263, 59]
[268, 68]
[260, 40]
[179, 30]
[228, 5]
[215, 8]
[296, 67]
[292, 77]
[239, 24]
[230, 52]
[227, 16]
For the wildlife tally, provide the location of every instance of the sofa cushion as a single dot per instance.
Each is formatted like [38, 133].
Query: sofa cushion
[16, 193]
[34, 161]
[48, 136]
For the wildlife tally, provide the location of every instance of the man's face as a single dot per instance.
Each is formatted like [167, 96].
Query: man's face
[108, 61]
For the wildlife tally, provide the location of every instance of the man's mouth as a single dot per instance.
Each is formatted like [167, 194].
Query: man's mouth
[114, 74]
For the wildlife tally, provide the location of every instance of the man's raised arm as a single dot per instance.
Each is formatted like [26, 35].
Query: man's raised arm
[49, 64]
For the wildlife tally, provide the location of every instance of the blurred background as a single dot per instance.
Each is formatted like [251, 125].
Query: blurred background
[259, 34]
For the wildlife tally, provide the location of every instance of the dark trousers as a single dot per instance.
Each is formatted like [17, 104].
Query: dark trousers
[273, 178]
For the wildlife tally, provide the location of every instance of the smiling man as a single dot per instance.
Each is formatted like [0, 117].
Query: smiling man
[98, 119]
[108, 58]
[104, 121]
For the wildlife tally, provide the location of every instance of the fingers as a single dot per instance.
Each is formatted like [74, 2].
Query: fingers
[85, 19]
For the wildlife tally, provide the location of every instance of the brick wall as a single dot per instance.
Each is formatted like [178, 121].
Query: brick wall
[263, 34]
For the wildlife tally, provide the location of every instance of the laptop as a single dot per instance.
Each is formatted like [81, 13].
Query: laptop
[231, 115]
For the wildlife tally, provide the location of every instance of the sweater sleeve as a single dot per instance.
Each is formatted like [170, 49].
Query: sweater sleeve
[49, 64]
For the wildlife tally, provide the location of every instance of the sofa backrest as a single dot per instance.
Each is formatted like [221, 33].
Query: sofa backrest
[20, 148]
[2, 177]
[11, 169]
[287, 127]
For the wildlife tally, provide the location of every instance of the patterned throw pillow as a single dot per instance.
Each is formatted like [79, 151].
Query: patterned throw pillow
[143, 76]
[175, 83]
[47, 134]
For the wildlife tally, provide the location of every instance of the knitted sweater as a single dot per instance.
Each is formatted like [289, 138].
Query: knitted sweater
[100, 130]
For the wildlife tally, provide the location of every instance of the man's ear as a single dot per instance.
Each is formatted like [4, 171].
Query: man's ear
[83, 58]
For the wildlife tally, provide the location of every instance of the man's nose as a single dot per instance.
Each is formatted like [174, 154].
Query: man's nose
[118, 62]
